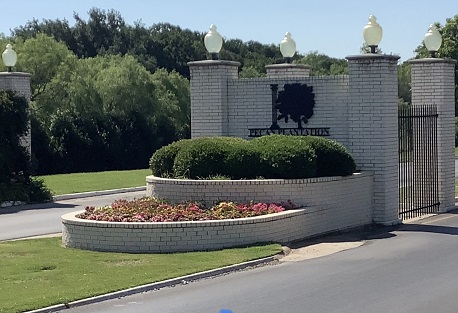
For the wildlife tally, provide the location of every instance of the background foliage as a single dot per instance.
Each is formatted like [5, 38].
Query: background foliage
[106, 94]
[16, 183]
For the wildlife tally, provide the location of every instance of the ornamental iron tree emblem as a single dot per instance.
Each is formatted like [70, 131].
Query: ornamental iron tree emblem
[295, 102]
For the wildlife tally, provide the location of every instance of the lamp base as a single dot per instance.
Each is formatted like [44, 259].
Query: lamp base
[373, 49]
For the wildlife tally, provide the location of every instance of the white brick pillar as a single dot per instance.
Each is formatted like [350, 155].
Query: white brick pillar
[373, 128]
[20, 83]
[287, 70]
[433, 82]
[209, 112]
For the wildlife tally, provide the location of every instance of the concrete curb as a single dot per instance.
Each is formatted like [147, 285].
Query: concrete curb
[97, 193]
[158, 285]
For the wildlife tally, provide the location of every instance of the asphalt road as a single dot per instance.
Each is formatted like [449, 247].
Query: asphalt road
[412, 268]
[39, 219]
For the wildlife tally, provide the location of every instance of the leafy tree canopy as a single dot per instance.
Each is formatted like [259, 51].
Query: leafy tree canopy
[324, 65]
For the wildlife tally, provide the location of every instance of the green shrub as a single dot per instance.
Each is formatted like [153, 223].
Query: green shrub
[285, 157]
[333, 159]
[16, 183]
[223, 156]
[274, 156]
[161, 163]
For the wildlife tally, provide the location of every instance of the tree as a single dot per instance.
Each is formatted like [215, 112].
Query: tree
[173, 92]
[250, 72]
[404, 80]
[42, 57]
[322, 64]
[109, 106]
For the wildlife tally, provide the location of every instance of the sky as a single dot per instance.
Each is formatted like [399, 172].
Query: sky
[331, 27]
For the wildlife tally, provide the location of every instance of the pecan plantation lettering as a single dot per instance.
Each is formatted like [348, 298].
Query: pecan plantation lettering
[258, 132]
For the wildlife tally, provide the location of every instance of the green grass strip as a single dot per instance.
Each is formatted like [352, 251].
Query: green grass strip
[37, 273]
[81, 182]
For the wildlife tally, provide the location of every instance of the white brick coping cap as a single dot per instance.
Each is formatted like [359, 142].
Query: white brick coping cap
[213, 63]
[373, 56]
[155, 179]
[287, 65]
[15, 74]
[432, 60]
[70, 218]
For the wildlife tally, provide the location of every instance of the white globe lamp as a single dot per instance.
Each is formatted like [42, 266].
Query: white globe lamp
[433, 40]
[213, 42]
[9, 57]
[372, 33]
[288, 47]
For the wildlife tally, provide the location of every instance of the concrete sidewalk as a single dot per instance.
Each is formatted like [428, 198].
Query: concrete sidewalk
[97, 193]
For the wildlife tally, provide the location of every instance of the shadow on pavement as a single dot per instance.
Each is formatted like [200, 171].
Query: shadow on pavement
[37, 206]
[355, 235]
[427, 228]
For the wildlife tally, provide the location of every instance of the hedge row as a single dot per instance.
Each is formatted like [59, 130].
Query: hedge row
[16, 182]
[274, 156]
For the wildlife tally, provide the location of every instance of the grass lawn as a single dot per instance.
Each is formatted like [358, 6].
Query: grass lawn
[80, 182]
[456, 151]
[39, 272]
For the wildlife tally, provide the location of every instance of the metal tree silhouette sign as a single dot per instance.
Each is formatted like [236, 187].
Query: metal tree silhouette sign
[296, 102]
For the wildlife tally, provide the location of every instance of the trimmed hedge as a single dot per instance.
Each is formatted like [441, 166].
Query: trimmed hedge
[216, 156]
[285, 157]
[274, 156]
[161, 163]
[333, 159]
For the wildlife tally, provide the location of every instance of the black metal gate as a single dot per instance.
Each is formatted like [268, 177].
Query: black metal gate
[418, 166]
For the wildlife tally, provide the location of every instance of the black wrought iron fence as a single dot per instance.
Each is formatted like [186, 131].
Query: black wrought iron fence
[418, 168]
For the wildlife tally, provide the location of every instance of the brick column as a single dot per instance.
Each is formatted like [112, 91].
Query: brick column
[287, 70]
[433, 82]
[373, 128]
[20, 83]
[209, 112]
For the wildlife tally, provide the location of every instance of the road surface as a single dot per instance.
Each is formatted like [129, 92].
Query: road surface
[40, 219]
[410, 269]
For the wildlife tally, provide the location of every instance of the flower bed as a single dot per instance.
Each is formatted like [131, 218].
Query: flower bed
[155, 210]
[168, 237]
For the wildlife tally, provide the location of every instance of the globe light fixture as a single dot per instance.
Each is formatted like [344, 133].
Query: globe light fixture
[9, 57]
[288, 47]
[213, 42]
[372, 33]
[433, 40]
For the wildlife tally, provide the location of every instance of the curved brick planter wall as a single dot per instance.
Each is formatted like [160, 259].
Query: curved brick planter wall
[333, 203]
[179, 236]
[326, 192]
